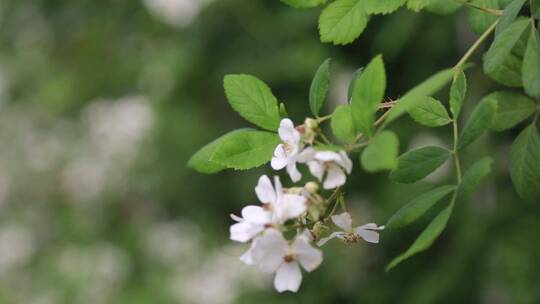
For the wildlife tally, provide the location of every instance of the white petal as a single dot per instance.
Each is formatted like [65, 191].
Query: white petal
[236, 218]
[244, 231]
[279, 189]
[288, 277]
[372, 226]
[269, 250]
[306, 155]
[279, 161]
[265, 191]
[287, 132]
[335, 177]
[368, 235]
[327, 156]
[293, 171]
[316, 168]
[290, 206]
[343, 221]
[256, 215]
[308, 256]
[247, 257]
[323, 241]
[345, 162]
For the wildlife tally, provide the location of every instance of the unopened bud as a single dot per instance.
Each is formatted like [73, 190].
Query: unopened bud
[312, 187]
[311, 124]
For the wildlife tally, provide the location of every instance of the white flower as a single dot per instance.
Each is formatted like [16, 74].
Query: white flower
[368, 232]
[336, 165]
[286, 153]
[273, 253]
[277, 207]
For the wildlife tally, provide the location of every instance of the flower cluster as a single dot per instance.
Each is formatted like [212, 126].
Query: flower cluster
[300, 209]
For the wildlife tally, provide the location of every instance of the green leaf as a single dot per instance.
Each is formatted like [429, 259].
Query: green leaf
[473, 176]
[509, 15]
[319, 87]
[418, 5]
[503, 45]
[443, 7]
[509, 72]
[414, 96]
[525, 162]
[481, 20]
[535, 8]
[418, 207]
[353, 81]
[480, 121]
[342, 124]
[245, 149]
[367, 93]
[531, 65]
[416, 164]
[426, 238]
[382, 7]
[303, 3]
[430, 113]
[382, 152]
[201, 162]
[457, 93]
[342, 21]
[253, 100]
[512, 108]
[283, 111]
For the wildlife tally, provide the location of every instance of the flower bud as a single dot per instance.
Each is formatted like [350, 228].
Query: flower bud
[312, 187]
[311, 123]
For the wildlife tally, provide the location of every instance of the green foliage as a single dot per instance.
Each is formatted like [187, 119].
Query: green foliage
[342, 21]
[245, 149]
[417, 5]
[509, 72]
[304, 3]
[414, 96]
[481, 20]
[382, 7]
[531, 65]
[253, 100]
[457, 93]
[430, 113]
[511, 109]
[201, 162]
[509, 15]
[480, 121]
[525, 162]
[353, 81]
[382, 152]
[443, 7]
[416, 164]
[473, 176]
[342, 124]
[368, 91]
[426, 238]
[319, 87]
[503, 45]
[413, 210]
[535, 8]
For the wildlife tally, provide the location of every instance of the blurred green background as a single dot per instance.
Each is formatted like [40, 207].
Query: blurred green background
[103, 102]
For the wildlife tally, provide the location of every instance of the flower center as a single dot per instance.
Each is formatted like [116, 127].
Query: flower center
[351, 238]
[288, 258]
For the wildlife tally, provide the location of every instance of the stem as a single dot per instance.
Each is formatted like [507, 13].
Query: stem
[481, 8]
[323, 118]
[475, 46]
[455, 152]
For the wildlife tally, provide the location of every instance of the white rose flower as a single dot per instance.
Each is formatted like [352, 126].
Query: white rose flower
[277, 207]
[336, 165]
[286, 153]
[273, 254]
[368, 232]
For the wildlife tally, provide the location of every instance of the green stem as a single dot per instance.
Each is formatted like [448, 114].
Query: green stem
[481, 8]
[475, 46]
[455, 152]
